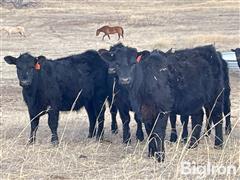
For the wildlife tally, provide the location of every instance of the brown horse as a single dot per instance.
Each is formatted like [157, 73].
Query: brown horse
[110, 30]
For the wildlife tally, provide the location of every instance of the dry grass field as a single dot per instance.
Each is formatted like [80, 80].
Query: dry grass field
[57, 28]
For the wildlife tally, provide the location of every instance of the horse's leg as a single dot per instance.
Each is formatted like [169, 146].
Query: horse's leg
[108, 36]
[21, 33]
[118, 36]
[103, 36]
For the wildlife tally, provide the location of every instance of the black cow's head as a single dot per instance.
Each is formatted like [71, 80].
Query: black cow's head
[109, 57]
[126, 60]
[237, 53]
[26, 65]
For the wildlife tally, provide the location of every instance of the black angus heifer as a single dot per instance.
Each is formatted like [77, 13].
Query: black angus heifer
[121, 96]
[64, 84]
[173, 116]
[237, 53]
[180, 55]
[160, 85]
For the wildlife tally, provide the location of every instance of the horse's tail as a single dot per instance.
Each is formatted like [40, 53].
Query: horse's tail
[122, 31]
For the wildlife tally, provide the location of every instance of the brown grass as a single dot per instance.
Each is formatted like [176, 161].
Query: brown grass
[57, 29]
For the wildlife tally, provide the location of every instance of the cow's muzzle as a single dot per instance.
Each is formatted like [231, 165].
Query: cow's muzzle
[25, 83]
[125, 81]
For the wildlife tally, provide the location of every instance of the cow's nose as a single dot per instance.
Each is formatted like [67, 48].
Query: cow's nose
[125, 80]
[111, 70]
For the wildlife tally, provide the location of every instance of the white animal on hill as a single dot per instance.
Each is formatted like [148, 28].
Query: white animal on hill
[13, 29]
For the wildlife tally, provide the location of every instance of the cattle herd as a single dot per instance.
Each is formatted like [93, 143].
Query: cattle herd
[154, 85]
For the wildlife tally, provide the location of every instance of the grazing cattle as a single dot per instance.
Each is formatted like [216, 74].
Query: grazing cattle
[237, 52]
[160, 85]
[121, 96]
[110, 30]
[10, 30]
[64, 84]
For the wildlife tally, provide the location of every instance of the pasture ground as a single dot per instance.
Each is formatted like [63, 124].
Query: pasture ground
[60, 28]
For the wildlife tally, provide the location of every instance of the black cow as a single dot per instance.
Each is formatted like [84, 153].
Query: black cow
[226, 104]
[160, 85]
[237, 52]
[64, 84]
[121, 96]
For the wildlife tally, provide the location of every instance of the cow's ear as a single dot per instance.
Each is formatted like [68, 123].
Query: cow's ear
[102, 51]
[141, 55]
[10, 60]
[233, 50]
[169, 51]
[106, 56]
[41, 57]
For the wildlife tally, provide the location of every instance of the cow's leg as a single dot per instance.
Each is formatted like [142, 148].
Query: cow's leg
[125, 117]
[184, 121]
[208, 122]
[108, 36]
[217, 120]
[148, 126]
[139, 133]
[227, 111]
[173, 119]
[92, 120]
[100, 111]
[53, 116]
[113, 111]
[156, 144]
[197, 120]
[114, 126]
[118, 36]
[34, 126]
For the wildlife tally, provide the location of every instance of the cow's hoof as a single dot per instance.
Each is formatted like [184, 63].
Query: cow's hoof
[55, 143]
[160, 156]
[228, 131]
[193, 144]
[127, 141]
[54, 140]
[184, 140]
[173, 137]
[219, 147]
[207, 133]
[31, 141]
[140, 136]
[99, 138]
[90, 136]
[114, 131]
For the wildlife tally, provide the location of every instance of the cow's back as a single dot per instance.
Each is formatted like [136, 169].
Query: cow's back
[65, 79]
